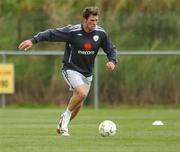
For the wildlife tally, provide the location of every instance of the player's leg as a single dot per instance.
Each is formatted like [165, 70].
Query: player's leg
[79, 94]
[80, 87]
[76, 111]
[78, 107]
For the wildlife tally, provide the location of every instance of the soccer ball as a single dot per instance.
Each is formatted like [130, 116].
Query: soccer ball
[107, 128]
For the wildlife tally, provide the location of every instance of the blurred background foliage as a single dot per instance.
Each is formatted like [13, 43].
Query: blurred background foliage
[131, 24]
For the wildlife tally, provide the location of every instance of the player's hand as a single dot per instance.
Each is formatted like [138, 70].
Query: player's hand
[25, 45]
[110, 66]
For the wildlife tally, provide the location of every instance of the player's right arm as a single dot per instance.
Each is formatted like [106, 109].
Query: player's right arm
[54, 35]
[25, 45]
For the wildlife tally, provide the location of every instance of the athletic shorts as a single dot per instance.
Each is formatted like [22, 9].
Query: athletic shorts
[74, 79]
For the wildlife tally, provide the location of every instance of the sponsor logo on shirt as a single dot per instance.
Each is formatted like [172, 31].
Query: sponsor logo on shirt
[87, 46]
[86, 52]
[87, 49]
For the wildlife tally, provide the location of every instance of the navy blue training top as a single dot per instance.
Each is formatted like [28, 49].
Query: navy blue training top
[81, 47]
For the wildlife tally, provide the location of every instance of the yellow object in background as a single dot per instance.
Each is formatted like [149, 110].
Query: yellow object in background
[6, 78]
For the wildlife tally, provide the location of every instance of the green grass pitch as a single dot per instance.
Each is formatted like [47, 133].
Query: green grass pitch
[33, 130]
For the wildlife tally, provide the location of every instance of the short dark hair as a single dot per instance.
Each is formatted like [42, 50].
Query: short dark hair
[90, 11]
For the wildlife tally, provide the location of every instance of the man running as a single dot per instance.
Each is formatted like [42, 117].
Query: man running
[82, 44]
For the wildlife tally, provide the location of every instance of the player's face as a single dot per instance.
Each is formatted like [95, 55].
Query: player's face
[91, 22]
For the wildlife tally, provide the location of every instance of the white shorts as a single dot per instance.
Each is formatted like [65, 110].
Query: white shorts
[74, 79]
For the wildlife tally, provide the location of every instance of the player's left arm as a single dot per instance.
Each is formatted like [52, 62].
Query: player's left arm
[110, 50]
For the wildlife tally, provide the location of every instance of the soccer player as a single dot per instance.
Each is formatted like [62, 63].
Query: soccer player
[82, 44]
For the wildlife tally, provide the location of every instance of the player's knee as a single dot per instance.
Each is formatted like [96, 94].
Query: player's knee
[81, 92]
[82, 95]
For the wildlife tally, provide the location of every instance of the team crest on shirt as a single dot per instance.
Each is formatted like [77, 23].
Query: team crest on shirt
[96, 38]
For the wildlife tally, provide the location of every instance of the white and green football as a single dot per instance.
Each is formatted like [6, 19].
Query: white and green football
[107, 128]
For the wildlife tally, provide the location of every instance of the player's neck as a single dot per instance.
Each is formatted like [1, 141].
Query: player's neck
[86, 29]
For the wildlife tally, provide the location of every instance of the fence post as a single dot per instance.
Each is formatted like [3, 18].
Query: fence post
[3, 96]
[96, 83]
